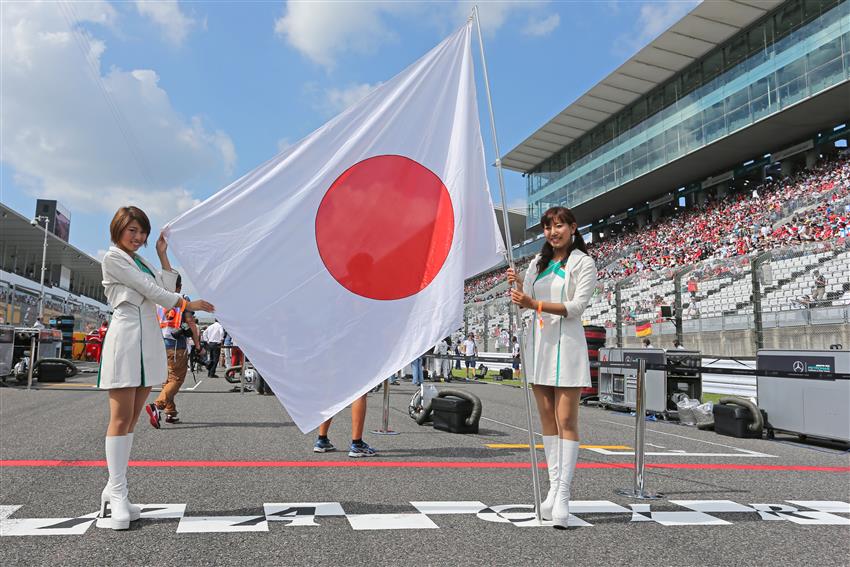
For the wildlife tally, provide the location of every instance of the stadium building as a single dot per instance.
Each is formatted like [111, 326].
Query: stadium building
[726, 135]
[730, 89]
[72, 279]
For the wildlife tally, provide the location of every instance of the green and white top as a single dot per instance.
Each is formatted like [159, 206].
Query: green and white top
[556, 352]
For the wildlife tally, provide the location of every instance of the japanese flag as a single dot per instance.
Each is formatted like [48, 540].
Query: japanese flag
[343, 258]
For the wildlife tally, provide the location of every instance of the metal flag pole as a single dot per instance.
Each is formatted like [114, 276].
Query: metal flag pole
[385, 416]
[514, 310]
[637, 490]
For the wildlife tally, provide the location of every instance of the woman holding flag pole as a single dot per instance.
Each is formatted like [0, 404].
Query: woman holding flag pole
[133, 358]
[558, 286]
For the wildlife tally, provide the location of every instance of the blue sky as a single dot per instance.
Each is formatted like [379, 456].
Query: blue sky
[162, 104]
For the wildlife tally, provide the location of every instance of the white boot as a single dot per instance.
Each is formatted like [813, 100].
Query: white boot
[116, 488]
[561, 509]
[551, 448]
[135, 511]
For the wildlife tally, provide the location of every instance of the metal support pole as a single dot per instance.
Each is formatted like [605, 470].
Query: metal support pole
[678, 303]
[486, 327]
[516, 320]
[385, 417]
[43, 268]
[33, 343]
[618, 301]
[637, 490]
[758, 321]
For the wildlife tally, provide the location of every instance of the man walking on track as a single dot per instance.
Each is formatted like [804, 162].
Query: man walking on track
[174, 323]
[213, 336]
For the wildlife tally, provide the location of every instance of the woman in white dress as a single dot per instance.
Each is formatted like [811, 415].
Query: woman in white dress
[133, 358]
[558, 286]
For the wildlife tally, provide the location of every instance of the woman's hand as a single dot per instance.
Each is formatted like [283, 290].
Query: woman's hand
[518, 297]
[161, 245]
[513, 279]
[200, 305]
[162, 252]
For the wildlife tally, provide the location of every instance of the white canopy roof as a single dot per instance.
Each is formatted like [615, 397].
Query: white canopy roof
[701, 30]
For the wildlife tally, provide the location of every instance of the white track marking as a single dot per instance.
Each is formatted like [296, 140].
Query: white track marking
[745, 451]
[510, 425]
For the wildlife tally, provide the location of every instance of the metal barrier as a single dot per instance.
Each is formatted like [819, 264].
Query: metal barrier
[725, 307]
[637, 490]
[385, 416]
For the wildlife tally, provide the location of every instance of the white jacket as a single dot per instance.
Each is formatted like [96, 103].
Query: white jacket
[556, 355]
[133, 350]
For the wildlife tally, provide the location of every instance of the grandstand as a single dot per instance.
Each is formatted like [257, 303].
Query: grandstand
[72, 284]
[712, 172]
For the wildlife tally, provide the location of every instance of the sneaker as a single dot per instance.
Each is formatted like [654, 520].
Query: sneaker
[172, 419]
[155, 415]
[361, 450]
[323, 446]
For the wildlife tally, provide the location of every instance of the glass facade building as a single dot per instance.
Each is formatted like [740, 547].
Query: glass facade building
[794, 53]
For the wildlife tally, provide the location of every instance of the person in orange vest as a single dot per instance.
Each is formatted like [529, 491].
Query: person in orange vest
[177, 325]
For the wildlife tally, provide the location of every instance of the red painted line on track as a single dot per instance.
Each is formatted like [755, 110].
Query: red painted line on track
[412, 465]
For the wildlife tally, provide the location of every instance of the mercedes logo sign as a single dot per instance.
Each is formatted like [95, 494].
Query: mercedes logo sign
[799, 366]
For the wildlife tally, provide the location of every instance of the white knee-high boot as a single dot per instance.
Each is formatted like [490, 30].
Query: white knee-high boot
[116, 487]
[569, 456]
[551, 447]
[126, 448]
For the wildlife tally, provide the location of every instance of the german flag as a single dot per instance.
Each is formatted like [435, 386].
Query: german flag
[643, 329]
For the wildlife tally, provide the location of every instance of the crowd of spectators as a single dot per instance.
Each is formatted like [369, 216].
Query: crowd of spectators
[811, 206]
[740, 223]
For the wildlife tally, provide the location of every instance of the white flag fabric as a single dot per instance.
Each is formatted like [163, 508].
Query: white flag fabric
[344, 257]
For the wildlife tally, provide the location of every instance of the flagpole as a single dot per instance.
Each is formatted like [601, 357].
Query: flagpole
[514, 311]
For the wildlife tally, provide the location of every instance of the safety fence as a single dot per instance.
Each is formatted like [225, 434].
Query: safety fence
[19, 307]
[784, 297]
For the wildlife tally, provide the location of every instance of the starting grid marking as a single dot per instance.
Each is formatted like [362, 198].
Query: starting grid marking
[308, 514]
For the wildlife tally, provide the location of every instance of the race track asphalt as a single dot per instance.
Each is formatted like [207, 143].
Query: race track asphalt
[235, 452]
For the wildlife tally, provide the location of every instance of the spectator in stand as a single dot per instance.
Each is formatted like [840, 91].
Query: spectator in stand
[820, 286]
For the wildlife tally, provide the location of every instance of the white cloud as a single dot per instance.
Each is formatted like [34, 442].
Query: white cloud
[283, 144]
[493, 14]
[653, 19]
[64, 139]
[322, 31]
[167, 15]
[338, 100]
[540, 28]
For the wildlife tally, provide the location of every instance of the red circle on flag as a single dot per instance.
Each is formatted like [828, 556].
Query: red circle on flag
[384, 228]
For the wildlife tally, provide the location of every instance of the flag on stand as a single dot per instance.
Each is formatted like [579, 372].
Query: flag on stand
[343, 258]
[643, 329]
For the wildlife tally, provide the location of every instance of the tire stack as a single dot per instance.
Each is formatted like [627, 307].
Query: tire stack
[595, 336]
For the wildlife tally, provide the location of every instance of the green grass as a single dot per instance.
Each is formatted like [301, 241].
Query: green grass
[491, 377]
[715, 398]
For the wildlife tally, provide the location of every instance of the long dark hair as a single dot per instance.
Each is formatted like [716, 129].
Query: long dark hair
[565, 216]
